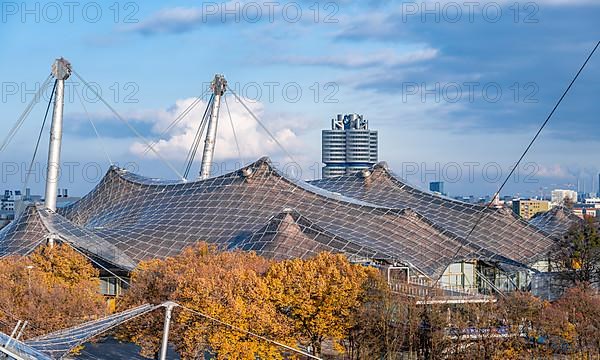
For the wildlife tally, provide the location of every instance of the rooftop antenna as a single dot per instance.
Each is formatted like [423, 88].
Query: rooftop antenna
[218, 86]
[61, 70]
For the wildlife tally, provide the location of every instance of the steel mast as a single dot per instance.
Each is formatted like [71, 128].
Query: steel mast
[218, 86]
[61, 70]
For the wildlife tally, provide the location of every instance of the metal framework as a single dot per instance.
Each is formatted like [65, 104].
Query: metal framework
[61, 70]
[128, 218]
[377, 217]
[556, 222]
[218, 86]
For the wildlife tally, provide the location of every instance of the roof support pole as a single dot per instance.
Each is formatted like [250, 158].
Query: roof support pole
[12, 334]
[61, 69]
[169, 305]
[218, 86]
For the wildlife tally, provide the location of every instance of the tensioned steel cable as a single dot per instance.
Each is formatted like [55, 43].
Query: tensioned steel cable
[102, 145]
[482, 213]
[96, 262]
[178, 119]
[37, 144]
[133, 129]
[261, 124]
[194, 148]
[249, 333]
[76, 330]
[13, 131]
[237, 144]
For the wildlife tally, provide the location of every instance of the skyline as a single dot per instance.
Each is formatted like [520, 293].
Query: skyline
[373, 61]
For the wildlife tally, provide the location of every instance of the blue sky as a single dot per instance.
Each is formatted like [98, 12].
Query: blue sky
[456, 89]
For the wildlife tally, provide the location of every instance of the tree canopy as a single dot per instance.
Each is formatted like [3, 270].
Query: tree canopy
[52, 288]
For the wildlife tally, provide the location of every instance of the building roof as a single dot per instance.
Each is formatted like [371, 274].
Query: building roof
[127, 218]
[499, 231]
[557, 221]
[36, 224]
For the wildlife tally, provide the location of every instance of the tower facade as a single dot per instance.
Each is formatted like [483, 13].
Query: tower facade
[349, 146]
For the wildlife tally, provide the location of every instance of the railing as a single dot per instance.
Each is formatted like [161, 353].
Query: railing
[424, 288]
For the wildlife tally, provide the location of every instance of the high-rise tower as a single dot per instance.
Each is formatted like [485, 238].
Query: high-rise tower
[349, 146]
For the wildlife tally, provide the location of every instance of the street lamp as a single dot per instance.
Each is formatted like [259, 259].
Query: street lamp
[29, 267]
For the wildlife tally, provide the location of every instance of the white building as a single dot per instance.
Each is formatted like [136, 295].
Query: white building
[593, 200]
[349, 146]
[559, 196]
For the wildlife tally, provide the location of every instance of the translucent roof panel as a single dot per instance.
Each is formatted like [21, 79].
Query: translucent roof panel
[127, 218]
[37, 224]
[146, 218]
[556, 222]
[60, 343]
[499, 231]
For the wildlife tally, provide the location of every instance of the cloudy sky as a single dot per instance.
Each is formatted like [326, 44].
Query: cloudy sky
[455, 89]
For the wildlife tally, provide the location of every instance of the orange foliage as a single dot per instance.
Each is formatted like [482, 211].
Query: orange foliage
[319, 295]
[271, 299]
[53, 288]
[228, 286]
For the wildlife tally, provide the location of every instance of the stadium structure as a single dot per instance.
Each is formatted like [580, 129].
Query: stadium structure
[418, 239]
[557, 221]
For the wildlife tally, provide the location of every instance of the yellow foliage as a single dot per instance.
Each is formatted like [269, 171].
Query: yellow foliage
[290, 302]
[53, 288]
[569, 333]
[228, 286]
[319, 295]
[61, 264]
[508, 354]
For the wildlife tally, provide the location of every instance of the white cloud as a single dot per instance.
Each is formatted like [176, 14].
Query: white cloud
[387, 58]
[552, 171]
[170, 20]
[254, 142]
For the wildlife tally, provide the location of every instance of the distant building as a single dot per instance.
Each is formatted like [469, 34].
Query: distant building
[586, 210]
[593, 201]
[7, 202]
[527, 208]
[7, 206]
[496, 202]
[64, 199]
[559, 196]
[24, 200]
[349, 146]
[464, 198]
[21, 202]
[437, 187]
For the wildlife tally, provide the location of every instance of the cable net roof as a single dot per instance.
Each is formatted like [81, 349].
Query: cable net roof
[21, 349]
[37, 224]
[556, 222]
[258, 208]
[58, 344]
[500, 231]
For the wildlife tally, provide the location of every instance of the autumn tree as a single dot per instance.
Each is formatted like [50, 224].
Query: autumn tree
[572, 323]
[578, 254]
[229, 286]
[385, 325]
[522, 313]
[319, 295]
[53, 288]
